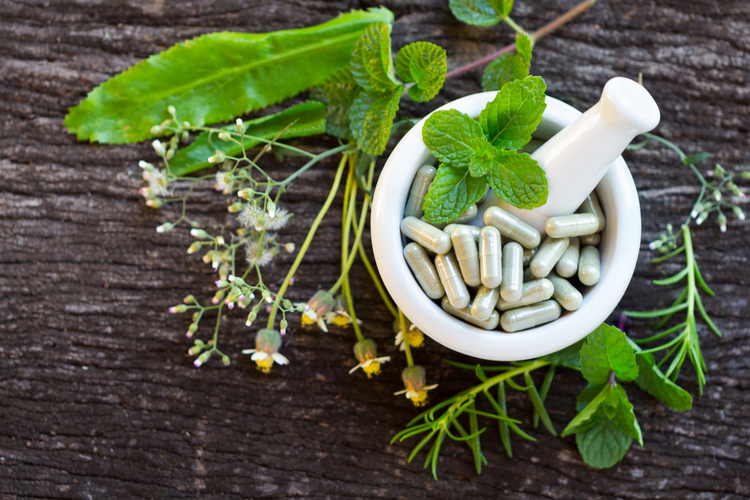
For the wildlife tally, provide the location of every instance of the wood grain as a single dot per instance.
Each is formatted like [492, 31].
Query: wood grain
[98, 397]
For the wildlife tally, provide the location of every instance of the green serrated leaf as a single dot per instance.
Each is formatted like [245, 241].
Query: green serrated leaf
[510, 118]
[587, 395]
[338, 98]
[567, 357]
[623, 416]
[424, 64]
[653, 381]
[306, 119]
[508, 67]
[216, 77]
[502, 7]
[606, 349]
[590, 414]
[451, 193]
[372, 61]
[483, 160]
[518, 179]
[476, 12]
[603, 444]
[371, 117]
[452, 136]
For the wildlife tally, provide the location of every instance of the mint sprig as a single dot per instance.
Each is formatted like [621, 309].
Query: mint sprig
[481, 12]
[485, 150]
[425, 65]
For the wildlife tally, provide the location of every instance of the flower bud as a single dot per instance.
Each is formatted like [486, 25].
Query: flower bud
[235, 207]
[745, 175]
[185, 135]
[283, 324]
[192, 329]
[220, 240]
[245, 194]
[250, 318]
[202, 359]
[194, 247]
[199, 233]
[289, 247]
[172, 111]
[271, 209]
[722, 223]
[146, 166]
[413, 377]
[240, 126]
[225, 136]
[165, 228]
[190, 299]
[159, 147]
[225, 359]
[218, 157]
[268, 341]
[717, 195]
[701, 218]
[655, 245]
[196, 316]
[181, 308]
[739, 213]
[156, 130]
[217, 297]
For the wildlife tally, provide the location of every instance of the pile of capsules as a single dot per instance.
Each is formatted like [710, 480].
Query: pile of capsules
[515, 282]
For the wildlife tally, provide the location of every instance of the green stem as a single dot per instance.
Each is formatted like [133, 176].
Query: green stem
[312, 162]
[407, 347]
[510, 22]
[690, 258]
[357, 243]
[350, 303]
[308, 239]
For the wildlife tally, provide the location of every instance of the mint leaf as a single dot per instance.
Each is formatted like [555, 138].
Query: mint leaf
[452, 136]
[587, 395]
[518, 179]
[372, 64]
[590, 414]
[607, 349]
[508, 67]
[306, 119]
[337, 97]
[371, 117]
[451, 193]
[483, 160]
[652, 380]
[502, 7]
[514, 114]
[424, 64]
[623, 416]
[603, 444]
[476, 12]
[216, 77]
[567, 357]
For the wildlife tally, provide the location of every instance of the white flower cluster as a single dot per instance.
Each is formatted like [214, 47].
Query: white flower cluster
[255, 217]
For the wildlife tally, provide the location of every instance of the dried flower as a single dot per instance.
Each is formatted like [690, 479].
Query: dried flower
[267, 343]
[317, 307]
[414, 380]
[366, 353]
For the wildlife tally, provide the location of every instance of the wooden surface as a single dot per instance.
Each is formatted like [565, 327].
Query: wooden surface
[98, 398]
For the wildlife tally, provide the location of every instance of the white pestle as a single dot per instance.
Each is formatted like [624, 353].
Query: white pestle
[576, 158]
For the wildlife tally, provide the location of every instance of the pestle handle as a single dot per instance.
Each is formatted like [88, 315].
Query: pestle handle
[576, 158]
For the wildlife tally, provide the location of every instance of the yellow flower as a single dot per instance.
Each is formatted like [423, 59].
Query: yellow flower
[317, 307]
[414, 379]
[366, 353]
[338, 315]
[267, 343]
[414, 336]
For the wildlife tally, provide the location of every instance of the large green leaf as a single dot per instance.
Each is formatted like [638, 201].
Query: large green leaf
[372, 61]
[216, 77]
[654, 382]
[568, 357]
[603, 444]
[371, 118]
[623, 415]
[517, 178]
[452, 136]
[305, 119]
[607, 349]
[424, 64]
[477, 12]
[451, 193]
[510, 118]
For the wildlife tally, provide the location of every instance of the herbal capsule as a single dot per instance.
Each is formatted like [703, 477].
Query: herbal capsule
[589, 266]
[468, 257]
[591, 240]
[421, 265]
[528, 255]
[465, 314]
[419, 187]
[490, 257]
[565, 294]
[572, 225]
[533, 292]
[548, 255]
[474, 229]
[513, 228]
[530, 316]
[512, 284]
[568, 263]
[591, 206]
[467, 216]
[439, 225]
[484, 302]
[450, 277]
[430, 237]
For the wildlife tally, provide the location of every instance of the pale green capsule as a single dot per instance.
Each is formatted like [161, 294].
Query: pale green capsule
[533, 292]
[490, 257]
[474, 229]
[467, 255]
[571, 225]
[419, 187]
[591, 206]
[512, 227]
[589, 266]
[565, 294]
[464, 313]
[528, 255]
[591, 240]
[421, 265]
[548, 255]
[568, 263]
[430, 237]
[530, 316]
[450, 278]
[467, 216]
[511, 287]
[484, 302]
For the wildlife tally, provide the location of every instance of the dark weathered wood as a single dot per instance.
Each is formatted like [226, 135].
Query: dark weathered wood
[98, 398]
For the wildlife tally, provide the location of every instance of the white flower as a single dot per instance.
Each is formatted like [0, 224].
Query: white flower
[224, 182]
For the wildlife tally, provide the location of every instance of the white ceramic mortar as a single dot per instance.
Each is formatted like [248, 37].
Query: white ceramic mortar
[619, 250]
